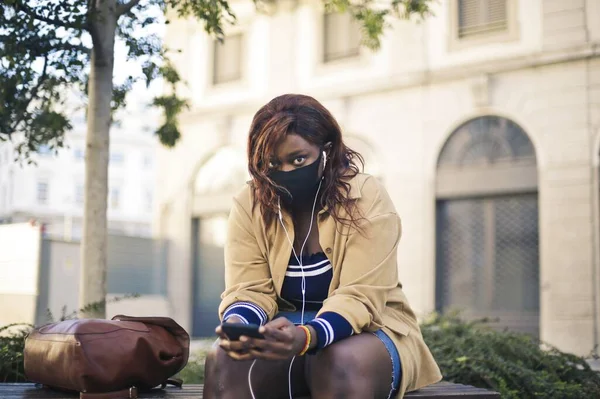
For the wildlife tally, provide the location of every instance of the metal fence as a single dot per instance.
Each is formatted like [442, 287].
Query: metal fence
[488, 259]
[135, 266]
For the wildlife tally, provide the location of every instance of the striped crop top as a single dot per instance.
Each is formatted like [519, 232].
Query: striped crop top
[329, 326]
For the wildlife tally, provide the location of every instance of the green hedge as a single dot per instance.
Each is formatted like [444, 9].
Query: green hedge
[12, 342]
[467, 352]
[510, 363]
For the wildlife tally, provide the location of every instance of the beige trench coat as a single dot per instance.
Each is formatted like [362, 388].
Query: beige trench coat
[364, 288]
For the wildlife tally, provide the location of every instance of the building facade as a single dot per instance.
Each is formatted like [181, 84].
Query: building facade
[51, 191]
[482, 121]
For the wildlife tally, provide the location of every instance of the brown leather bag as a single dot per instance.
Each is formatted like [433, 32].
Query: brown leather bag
[105, 359]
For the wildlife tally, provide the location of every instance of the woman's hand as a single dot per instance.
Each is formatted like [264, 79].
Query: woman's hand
[283, 340]
[235, 349]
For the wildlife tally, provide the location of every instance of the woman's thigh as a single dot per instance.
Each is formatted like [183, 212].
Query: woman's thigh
[227, 378]
[356, 367]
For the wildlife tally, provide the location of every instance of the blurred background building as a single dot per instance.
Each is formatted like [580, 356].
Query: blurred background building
[51, 191]
[41, 208]
[482, 121]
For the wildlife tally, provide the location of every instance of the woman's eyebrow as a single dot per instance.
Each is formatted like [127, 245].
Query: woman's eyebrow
[296, 153]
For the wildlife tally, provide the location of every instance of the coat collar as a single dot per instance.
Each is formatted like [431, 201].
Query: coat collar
[355, 188]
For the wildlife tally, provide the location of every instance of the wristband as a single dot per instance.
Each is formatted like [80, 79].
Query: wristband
[307, 342]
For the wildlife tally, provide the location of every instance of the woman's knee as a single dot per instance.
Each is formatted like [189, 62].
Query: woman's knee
[211, 370]
[211, 363]
[218, 369]
[337, 371]
[227, 378]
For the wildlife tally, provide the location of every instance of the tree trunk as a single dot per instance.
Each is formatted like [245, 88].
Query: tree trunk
[92, 290]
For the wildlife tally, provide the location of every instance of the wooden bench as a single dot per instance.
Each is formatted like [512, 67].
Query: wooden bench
[444, 390]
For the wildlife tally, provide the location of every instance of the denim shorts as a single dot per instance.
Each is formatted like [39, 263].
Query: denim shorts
[296, 318]
[396, 363]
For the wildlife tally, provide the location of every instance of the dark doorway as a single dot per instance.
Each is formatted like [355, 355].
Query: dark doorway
[209, 278]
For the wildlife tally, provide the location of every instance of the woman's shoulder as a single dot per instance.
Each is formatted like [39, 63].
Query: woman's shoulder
[371, 195]
[243, 200]
[243, 197]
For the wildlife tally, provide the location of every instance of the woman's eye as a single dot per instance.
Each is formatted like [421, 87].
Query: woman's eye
[272, 165]
[299, 161]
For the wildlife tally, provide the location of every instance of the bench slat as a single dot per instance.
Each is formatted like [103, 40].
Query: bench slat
[444, 390]
[448, 390]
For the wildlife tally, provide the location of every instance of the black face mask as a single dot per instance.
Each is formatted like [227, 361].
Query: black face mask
[302, 183]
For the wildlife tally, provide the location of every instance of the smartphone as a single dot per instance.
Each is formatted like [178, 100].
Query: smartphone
[235, 330]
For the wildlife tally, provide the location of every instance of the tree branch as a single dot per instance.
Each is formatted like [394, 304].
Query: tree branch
[28, 11]
[126, 7]
[75, 47]
[41, 79]
[33, 95]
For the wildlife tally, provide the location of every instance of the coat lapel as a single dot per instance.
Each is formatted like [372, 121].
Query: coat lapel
[282, 251]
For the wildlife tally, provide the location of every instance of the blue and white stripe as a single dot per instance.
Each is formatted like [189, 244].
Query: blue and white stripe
[327, 329]
[318, 272]
[330, 327]
[309, 270]
[242, 318]
[248, 313]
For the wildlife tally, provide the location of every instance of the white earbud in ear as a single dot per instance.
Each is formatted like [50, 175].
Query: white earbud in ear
[324, 159]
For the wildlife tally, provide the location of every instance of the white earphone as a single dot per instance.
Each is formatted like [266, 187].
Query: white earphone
[324, 159]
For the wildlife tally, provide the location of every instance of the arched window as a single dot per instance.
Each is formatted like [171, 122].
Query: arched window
[364, 148]
[225, 171]
[487, 258]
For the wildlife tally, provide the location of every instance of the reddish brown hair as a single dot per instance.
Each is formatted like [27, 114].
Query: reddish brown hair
[306, 117]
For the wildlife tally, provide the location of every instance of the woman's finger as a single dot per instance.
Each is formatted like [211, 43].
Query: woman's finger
[220, 333]
[241, 356]
[266, 355]
[237, 346]
[224, 344]
[279, 322]
[264, 345]
[235, 349]
[279, 334]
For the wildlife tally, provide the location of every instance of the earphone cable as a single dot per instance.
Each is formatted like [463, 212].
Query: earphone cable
[250, 381]
[303, 284]
[290, 377]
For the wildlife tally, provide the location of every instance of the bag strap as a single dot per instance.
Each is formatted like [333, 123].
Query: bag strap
[129, 393]
[177, 382]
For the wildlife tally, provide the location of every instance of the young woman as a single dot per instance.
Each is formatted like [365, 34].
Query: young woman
[311, 257]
